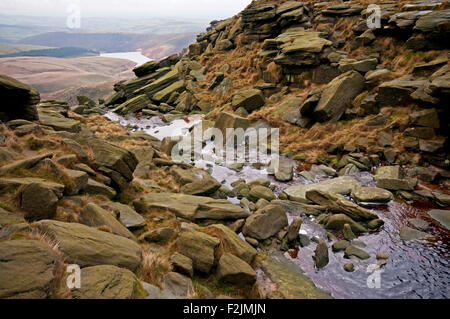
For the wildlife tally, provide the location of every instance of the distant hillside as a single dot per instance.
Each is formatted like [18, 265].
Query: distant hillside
[54, 77]
[109, 42]
[68, 52]
[7, 48]
[159, 25]
[15, 33]
[115, 42]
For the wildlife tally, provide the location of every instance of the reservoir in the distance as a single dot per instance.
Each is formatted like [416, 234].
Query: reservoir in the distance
[136, 57]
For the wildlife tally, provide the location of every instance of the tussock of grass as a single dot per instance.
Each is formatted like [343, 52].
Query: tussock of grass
[153, 267]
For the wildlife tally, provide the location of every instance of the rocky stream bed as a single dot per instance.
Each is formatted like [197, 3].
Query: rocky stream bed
[414, 268]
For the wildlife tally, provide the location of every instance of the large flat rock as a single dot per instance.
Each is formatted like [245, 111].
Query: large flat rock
[290, 280]
[94, 215]
[26, 269]
[87, 246]
[18, 100]
[340, 205]
[442, 216]
[106, 282]
[341, 185]
[191, 207]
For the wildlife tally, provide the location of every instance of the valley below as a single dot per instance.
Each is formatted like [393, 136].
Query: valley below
[66, 78]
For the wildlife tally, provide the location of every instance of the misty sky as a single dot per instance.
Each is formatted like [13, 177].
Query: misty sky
[204, 9]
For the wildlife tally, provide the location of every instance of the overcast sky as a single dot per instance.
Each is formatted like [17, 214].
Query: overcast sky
[204, 9]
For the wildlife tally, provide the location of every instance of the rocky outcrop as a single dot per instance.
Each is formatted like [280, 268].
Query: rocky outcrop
[442, 216]
[260, 192]
[24, 163]
[290, 279]
[371, 194]
[321, 255]
[294, 229]
[95, 188]
[18, 100]
[182, 264]
[300, 47]
[159, 235]
[196, 182]
[57, 189]
[133, 105]
[356, 252]
[146, 68]
[407, 233]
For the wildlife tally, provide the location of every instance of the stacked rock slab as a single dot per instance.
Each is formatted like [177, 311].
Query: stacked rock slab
[18, 100]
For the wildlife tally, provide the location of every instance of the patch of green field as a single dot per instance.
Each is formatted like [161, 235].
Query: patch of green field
[6, 48]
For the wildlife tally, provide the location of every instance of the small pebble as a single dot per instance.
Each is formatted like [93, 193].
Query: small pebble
[349, 267]
[331, 237]
[382, 256]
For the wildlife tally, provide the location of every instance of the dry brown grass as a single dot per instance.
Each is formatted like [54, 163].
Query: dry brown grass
[67, 216]
[276, 72]
[164, 178]
[314, 141]
[153, 266]
[159, 218]
[11, 140]
[46, 171]
[155, 261]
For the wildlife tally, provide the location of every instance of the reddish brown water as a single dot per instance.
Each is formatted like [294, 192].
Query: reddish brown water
[415, 269]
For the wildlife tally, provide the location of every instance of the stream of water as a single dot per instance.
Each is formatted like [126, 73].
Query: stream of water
[415, 269]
